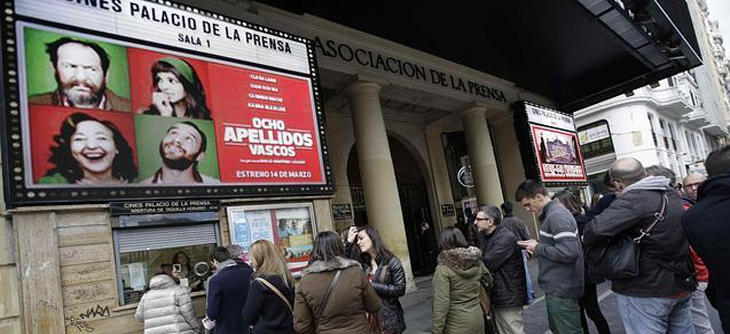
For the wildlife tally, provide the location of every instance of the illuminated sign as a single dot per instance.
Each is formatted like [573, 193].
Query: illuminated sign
[129, 99]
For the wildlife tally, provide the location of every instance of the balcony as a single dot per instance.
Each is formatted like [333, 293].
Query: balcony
[671, 101]
[696, 120]
[715, 130]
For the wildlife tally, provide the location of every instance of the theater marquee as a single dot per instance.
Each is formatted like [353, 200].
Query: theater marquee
[124, 99]
[549, 145]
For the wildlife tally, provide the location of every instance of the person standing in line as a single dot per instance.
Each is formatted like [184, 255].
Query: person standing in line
[699, 310]
[707, 228]
[166, 308]
[385, 272]
[456, 285]
[657, 298]
[503, 257]
[589, 303]
[227, 292]
[333, 296]
[560, 257]
[271, 294]
[519, 229]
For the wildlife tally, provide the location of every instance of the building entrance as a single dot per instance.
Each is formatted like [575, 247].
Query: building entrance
[413, 193]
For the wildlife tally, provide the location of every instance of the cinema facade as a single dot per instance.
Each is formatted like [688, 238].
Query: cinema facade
[307, 125]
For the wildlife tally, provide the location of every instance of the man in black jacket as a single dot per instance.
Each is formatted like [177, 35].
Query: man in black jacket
[708, 229]
[503, 258]
[657, 300]
[227, 293]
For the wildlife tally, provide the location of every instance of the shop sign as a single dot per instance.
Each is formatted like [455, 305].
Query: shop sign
[136, 99]
[464, 176]
[448, 209]
[408, 68]
[342, 211]
[551, 152]
[594, 134]
[162, 207]
[290, 226]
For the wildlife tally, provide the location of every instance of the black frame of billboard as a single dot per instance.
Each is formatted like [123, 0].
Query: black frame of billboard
[530, 161]
[13, 161]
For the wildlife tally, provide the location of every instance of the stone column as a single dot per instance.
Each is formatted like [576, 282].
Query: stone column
[376, 170]
[481, 153]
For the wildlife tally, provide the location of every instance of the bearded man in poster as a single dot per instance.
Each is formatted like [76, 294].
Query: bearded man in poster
[81, 72]
[181, 149]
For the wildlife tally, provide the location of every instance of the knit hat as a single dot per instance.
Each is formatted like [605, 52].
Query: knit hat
[181, 66]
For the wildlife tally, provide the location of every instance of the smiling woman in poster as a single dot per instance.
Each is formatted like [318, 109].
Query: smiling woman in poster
[177, 90]
[90, 151]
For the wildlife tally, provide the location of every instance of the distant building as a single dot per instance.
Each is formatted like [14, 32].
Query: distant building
[674, 123]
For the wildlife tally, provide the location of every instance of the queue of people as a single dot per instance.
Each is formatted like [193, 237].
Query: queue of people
[667, 252]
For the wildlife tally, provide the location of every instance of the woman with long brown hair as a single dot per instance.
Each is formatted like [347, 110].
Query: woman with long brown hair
[271, 294]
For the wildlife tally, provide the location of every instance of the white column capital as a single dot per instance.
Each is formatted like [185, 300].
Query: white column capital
[362, 88]
[473, 109]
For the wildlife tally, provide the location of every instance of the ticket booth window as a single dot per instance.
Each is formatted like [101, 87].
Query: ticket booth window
[142, 249]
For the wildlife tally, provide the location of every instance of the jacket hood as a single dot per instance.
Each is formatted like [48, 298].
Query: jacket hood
[463, 261]
[717, 185]
[325, 266]
[161, 282]
[660, 183]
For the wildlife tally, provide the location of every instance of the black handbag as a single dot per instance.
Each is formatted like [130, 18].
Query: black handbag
[618, 258]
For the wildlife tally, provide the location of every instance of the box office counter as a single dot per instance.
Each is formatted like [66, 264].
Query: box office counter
[85, 266]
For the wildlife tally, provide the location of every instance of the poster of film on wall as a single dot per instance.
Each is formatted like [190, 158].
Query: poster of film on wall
[135, 99]
[549, 145]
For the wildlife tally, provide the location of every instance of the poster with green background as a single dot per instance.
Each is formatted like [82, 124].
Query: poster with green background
[151, 129]
[41, 73]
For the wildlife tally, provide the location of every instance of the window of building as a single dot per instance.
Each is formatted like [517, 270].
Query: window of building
[674, 138]
[692, 97]
[663, 126]
[143, 243]
[670, 81]
[653, 133]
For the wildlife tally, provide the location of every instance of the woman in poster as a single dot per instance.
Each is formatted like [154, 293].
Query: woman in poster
[177, 90]
[90, 151]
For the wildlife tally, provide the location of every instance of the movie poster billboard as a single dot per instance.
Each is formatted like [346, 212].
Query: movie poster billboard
[291, 227]
[551, 149]
[134, 99]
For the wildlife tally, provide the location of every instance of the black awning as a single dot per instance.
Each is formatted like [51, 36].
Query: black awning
[576, 52]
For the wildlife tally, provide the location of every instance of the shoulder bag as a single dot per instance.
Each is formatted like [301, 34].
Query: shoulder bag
[276, 291]
[326, 298]
[618, 259]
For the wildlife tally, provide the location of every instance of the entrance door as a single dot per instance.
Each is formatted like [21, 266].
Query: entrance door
[415, 207]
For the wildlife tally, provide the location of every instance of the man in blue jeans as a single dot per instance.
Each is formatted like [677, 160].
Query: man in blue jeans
[657, 300]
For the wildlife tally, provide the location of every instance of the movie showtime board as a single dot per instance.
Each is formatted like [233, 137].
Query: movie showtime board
[549, 145]
[123, 99]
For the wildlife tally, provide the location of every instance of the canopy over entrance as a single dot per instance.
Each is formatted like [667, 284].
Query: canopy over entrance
[576, 52]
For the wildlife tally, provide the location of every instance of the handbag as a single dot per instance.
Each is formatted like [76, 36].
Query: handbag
[618, 258]
[276, 291]
[485, 301]
[326, 298]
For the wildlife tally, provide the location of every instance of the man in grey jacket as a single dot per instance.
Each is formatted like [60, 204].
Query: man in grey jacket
[560, 257]
[657, 300]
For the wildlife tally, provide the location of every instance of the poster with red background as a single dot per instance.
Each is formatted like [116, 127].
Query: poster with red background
[558, 155]
[265, 127]
[45, 123]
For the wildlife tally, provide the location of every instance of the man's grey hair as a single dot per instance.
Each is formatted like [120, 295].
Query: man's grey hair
[627, 170]
[658, 170]
[492, 212]
[236, 251]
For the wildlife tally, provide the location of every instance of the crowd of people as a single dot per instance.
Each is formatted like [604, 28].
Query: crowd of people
[663, 249]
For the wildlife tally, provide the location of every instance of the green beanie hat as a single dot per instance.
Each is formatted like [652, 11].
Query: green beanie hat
[181, 66]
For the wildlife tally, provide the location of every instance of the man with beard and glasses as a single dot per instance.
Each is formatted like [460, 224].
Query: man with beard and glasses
[182, 148]
[81, 71]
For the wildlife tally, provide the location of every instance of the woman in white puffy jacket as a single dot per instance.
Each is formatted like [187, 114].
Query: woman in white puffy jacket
[166, 308]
